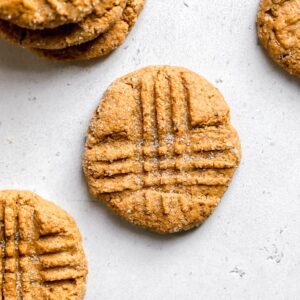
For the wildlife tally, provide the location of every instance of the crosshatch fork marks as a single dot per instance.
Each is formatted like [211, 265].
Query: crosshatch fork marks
[33, 255]
[186, 139]
[165, 144]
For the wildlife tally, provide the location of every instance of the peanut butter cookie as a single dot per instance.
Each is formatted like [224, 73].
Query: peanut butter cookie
[102, 45]
[40, 14]
[278, 26]
[160, 149]
[41, 251]
[106, 13]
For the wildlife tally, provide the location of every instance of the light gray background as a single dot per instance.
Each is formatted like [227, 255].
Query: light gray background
[250, 247]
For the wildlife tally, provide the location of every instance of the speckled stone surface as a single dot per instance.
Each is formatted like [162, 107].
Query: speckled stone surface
[249, 249]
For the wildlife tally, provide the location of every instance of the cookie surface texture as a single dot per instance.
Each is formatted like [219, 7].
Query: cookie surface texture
[160, 149]
[278, 26]
[42, 255]
[40, 14]
[105, 14]
[103, 44]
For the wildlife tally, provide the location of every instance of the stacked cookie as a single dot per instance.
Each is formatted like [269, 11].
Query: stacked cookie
[68, 30]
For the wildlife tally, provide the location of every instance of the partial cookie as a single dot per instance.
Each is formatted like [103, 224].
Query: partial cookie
[160, 149]
[40, 14]
[105, 43]
[278, 26]
[42, 254]
[106, 13]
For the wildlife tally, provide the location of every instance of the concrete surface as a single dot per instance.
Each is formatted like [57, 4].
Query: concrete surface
[250, 247]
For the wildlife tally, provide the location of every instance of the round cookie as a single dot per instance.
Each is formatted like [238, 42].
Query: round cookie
[103, 44]
[160, 149]
[40, 14]
[278, 26]
[105, 14]
[42, 254]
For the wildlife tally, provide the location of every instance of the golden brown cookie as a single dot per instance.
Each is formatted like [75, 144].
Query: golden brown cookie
[40, 14]
[106, 13]
[102, 45]
[160, 149]
[42, 255]
[278, 26]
